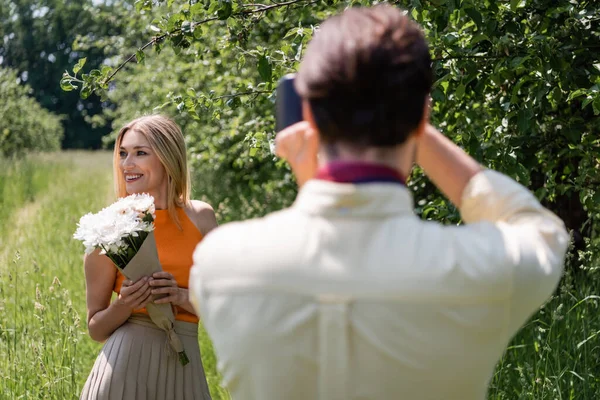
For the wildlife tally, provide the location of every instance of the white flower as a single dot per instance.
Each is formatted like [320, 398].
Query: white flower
[113, 228]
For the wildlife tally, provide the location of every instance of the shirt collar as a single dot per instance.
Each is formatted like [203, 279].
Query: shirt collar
[358, 172]
[320, 197]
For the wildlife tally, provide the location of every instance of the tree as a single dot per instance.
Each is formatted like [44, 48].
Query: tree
[517, 86]
[24, 124]
[41, 40]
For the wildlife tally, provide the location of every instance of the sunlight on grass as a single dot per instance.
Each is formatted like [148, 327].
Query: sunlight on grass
[45, 351]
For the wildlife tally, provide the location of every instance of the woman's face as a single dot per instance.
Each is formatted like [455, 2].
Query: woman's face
[142, 170]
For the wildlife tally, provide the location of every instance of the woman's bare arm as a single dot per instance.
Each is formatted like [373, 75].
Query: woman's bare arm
[103, 316]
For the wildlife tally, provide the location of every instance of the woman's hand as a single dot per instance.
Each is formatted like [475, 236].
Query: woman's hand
[135, 295]
[163, 283]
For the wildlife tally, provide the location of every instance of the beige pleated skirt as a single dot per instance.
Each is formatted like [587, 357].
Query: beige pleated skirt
[136, 363]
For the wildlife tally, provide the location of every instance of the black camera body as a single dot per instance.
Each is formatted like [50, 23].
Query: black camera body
[288, 104]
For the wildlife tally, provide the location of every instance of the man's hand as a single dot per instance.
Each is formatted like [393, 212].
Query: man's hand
[298, 144]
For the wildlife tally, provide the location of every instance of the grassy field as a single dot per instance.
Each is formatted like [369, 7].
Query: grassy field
[45, 352]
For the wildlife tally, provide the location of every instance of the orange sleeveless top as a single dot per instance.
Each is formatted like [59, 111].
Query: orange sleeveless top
[175, 249]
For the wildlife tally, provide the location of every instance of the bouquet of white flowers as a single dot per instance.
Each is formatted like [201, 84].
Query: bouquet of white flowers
[123, 232]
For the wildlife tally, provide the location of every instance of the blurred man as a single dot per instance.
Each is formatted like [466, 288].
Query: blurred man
[348, 294]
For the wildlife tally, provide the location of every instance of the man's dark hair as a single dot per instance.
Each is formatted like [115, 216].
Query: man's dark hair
[366, 75]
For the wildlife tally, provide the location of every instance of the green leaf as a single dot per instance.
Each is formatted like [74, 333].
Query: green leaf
[213, 7]
[460, 91]
[522, 173]
[442, 79]
[265, 69]
[79, 65]
[65, 83]
[234, 102]
[253, 151]
[490, 28]
[86, 90]
[441, 21]
[479, 38]
[103, 95]
[518, 61]
[140, 56]
[197, 9]
[174, 21]
[292, 32]
[241, 61]
[437, 95]
[577, 93]
[596, 105]
[514, 4]
[198, 32]
[524, 120]
[225, 11]
[143, 5]
[475, 16]
[596, 198]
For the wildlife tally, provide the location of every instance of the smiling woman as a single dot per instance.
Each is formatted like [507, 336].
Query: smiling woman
[149, 157]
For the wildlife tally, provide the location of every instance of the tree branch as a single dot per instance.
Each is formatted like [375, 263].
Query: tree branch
[128, 60]
[276, 5]
[465, 57]
[497, 57]
[159, 38]
[255, 92]
[154, 40]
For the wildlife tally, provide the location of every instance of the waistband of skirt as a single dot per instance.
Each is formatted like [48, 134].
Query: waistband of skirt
[181, 327]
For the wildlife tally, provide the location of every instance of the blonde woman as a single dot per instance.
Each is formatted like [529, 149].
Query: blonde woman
[149, 157]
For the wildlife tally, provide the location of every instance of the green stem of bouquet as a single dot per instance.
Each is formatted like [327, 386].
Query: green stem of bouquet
[119, 261]
[132, 243]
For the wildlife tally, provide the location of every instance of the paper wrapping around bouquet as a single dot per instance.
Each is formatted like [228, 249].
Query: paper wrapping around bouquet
[145, 263]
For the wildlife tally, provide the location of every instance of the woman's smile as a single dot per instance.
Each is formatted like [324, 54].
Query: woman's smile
[129, 178]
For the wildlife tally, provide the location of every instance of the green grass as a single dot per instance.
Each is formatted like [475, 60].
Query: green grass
[45, 352]
[22, 180]
[557, 354]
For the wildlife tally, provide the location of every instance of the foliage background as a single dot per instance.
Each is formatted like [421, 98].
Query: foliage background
[517, 85]
[39, 42]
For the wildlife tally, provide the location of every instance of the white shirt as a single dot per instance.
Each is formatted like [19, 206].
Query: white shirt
[349, 295]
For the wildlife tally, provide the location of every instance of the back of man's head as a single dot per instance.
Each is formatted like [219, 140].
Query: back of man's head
[366, 74]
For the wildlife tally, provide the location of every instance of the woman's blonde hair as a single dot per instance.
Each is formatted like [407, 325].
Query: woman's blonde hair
[167, 142]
